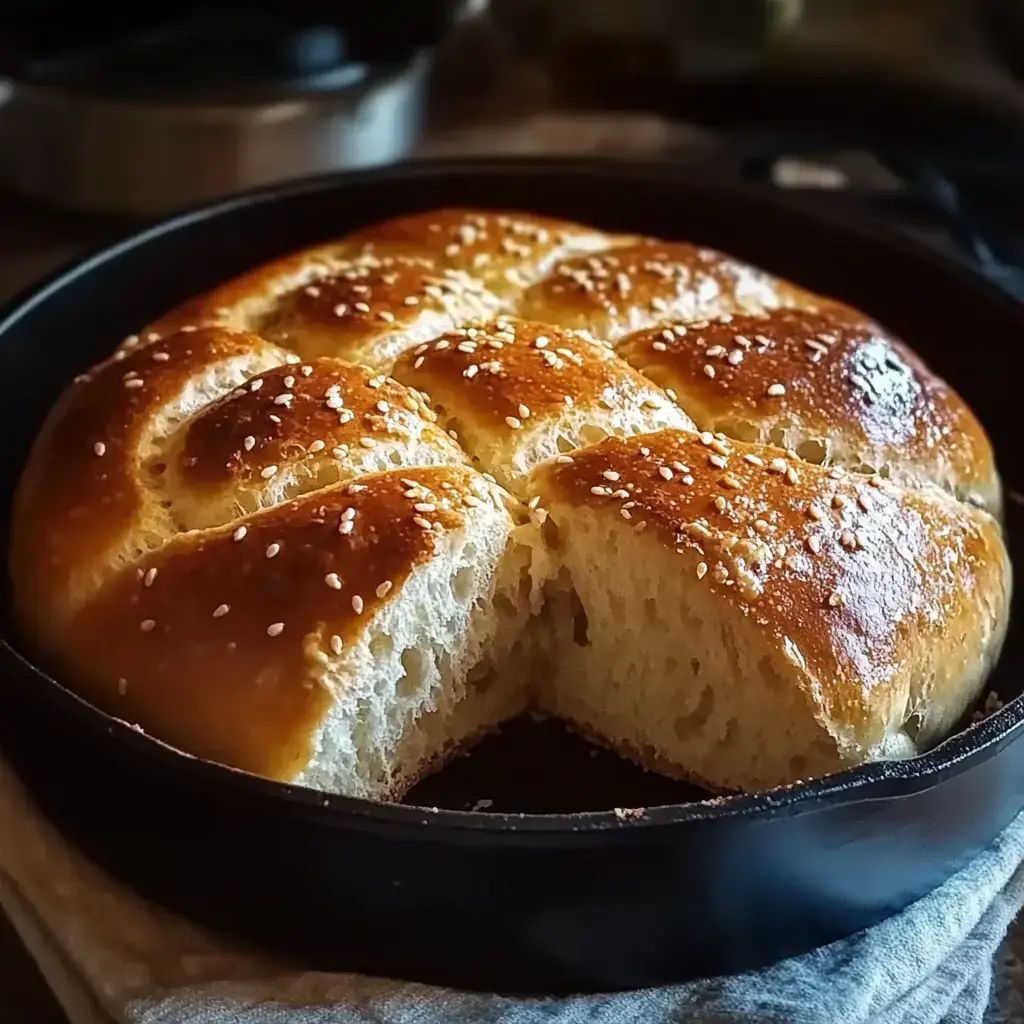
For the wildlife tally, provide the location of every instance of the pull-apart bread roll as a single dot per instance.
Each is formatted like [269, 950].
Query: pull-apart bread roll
[835, 388]
[637, 285]
[744, 619]
[375, 293]
[229, 570]
[343, 514]
[517, 392]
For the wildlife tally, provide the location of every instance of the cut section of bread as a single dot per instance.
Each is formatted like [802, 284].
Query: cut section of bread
[747, 621]
[517, 392]
[834, 388]
[635, 286]
[347, 640]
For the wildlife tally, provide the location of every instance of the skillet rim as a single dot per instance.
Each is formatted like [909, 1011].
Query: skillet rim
[875, 781]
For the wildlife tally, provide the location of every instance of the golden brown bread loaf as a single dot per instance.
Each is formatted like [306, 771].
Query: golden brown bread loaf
[268, 532]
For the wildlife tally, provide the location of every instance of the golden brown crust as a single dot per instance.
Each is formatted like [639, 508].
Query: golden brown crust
[215, 641]
[376, 307]
[824, 376]
[316, 424]
[87, 487]
[635, 286]
[521, 371]
[855, 579]
[504, 249]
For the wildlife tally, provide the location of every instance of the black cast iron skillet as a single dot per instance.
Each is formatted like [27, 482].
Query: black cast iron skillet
[517, 900]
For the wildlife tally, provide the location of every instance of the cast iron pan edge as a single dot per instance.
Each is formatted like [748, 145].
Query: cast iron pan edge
[966, 761]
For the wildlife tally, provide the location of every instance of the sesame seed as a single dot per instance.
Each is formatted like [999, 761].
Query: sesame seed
[383, 589]
[719, 446]
[665, 473]
[814, 543]
[777, 466]
[256, 384]
[716, 351]
[659, 346]
[410, 300]
[472, 501]
[564, 460]
[524, 412]
[706, 437]
[146, 625]
[147, 580]
[340, 309]
[289, 381]
[306, 370]
[423, 524]
[387, 316]
[610, 474]
[134, 382]
[625, 513]
[440, 346]
[791, 476]
[272, 549]
[284, 399]
[368, 442]
[533, 502]
[720, 503]
[753, 459]
[730, 481]
[317, 446]
[514, 423]
[687, 479]
[418, 362]
[248, 443]
[221, 610]
[718, 462]
[702, 570]
[361, 307]
[99, 448]
[599, 491]
[357, 604]
[383, 406]
[761, 526]
[471, 371]
[274, 419]
[709, 371]
[337, 644]
[345, 526]
[275, 629]
[268, 471]
[240, 533]
[775, 390]
[736, 357]
[425, 506]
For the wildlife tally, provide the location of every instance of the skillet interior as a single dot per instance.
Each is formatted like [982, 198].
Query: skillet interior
[672, 894]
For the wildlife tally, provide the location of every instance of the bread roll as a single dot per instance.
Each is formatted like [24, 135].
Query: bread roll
[742, 619]
[516, 392]
[505, 250]
[245, 538]
[635, 286]
[835, 388]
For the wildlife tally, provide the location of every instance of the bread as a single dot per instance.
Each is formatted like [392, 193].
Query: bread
[783, 620]
[836, 388]
[637, 285]
[341, 516]
[517, 392]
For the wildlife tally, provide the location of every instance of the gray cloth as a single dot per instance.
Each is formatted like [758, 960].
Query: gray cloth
[106, 952]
